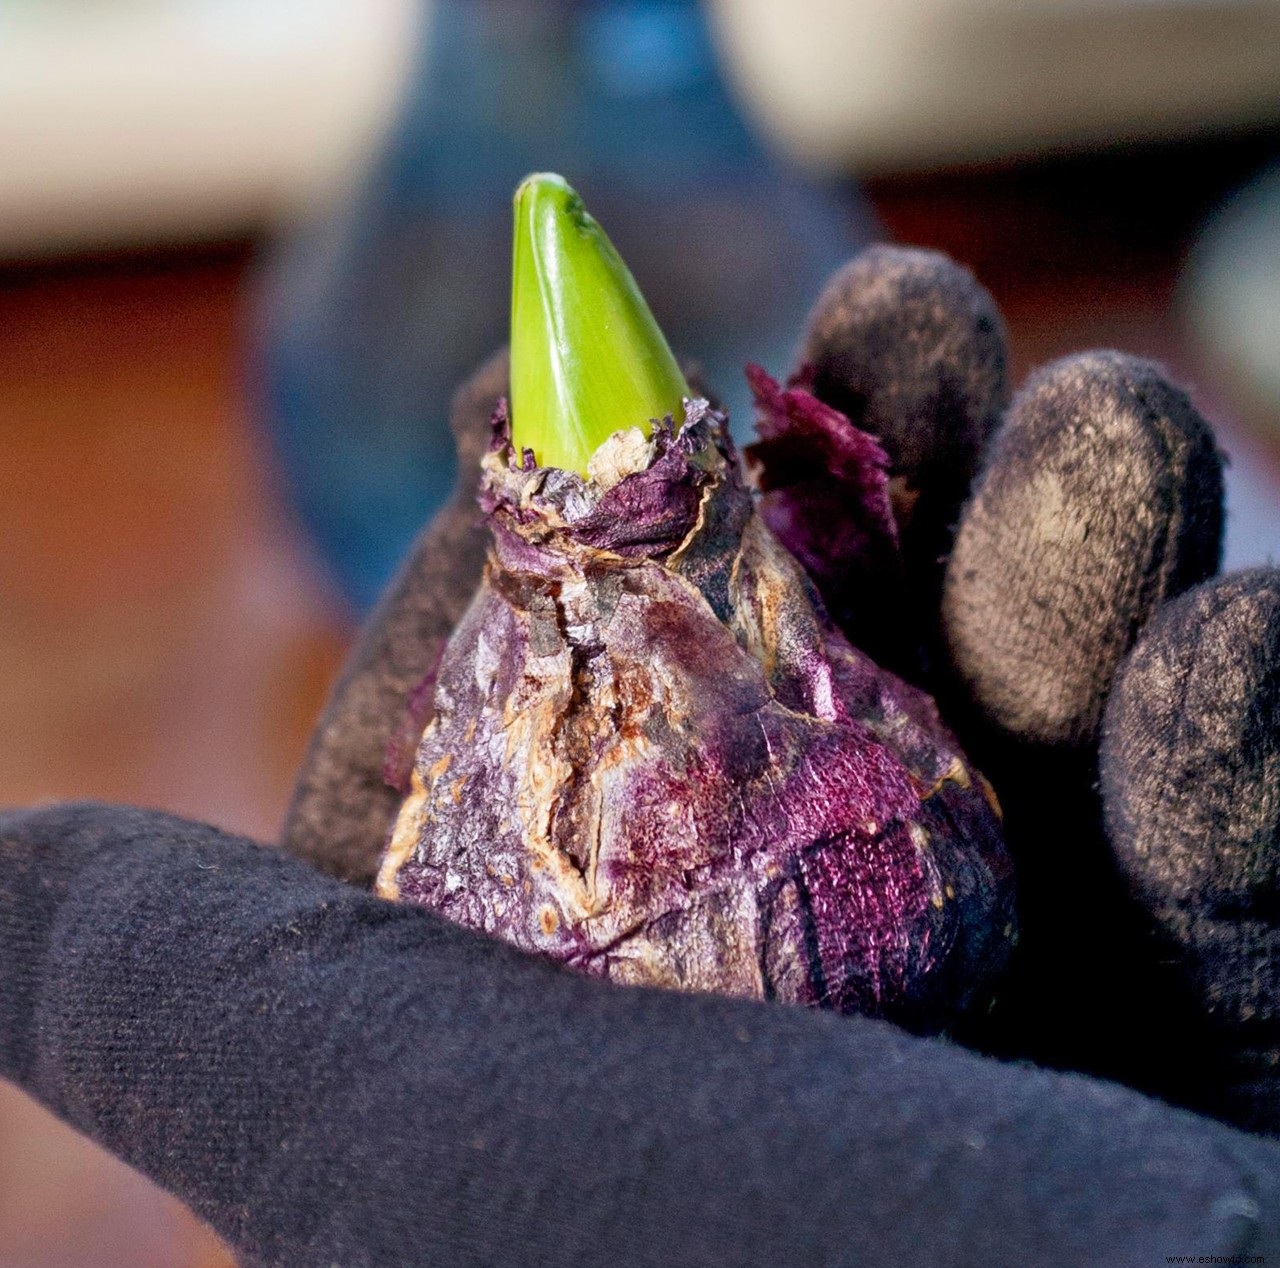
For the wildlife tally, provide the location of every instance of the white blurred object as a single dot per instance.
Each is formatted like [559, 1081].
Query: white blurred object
[1232, 293]
[128, 120]
[882, 84]
[1231, 298]
[137, 120]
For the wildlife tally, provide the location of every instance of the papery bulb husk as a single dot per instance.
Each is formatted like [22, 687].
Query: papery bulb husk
[653, 758]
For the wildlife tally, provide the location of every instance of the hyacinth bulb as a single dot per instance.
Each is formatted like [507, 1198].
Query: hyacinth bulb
[587, 356]
[651, 756]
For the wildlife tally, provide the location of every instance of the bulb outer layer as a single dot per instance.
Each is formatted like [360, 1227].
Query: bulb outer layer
[652, 757]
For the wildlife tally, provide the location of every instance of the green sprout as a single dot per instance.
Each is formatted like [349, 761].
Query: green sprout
[587, 356]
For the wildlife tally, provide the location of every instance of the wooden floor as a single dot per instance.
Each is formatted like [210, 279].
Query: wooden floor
[166, 638]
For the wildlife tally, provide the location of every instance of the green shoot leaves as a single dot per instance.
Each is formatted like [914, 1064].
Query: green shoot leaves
[587, 357]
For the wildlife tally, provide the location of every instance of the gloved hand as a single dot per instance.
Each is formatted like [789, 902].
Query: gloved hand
[328, 1078]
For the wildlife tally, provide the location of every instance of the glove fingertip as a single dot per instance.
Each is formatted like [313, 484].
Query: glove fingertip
[910, 346]
[1189, 754]
[1101, 498]
[1191, 743]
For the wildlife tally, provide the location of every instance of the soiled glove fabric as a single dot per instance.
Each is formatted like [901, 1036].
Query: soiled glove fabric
[328, 1078]
[1100, 499]
[1191, 782]
[331, 1079]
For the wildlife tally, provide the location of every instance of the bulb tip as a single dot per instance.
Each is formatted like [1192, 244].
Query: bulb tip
[587, 357]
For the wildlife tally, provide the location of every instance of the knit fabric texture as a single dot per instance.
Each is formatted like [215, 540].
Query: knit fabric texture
[1101, 497]
[1191, 783]
[332, 1079]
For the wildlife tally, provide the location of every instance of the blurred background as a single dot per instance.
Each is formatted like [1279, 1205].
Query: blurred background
[248, 247]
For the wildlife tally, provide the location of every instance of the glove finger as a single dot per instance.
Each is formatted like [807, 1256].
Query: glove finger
[912, 349]
[342, 804]
[1189, 756]
[328, 1078]
[1101, 497]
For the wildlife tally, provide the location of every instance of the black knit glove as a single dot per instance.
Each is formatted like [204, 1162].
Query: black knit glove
[328, 1078]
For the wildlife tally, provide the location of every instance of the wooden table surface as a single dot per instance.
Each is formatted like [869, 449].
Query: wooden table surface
[166, 636]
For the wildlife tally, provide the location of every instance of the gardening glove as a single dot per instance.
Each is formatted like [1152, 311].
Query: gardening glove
[329, 1078]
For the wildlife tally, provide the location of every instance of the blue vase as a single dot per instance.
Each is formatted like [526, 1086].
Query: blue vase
[373, 314]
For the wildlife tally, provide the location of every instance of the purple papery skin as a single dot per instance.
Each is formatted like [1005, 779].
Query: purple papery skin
[824, 487]
[653, 758]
